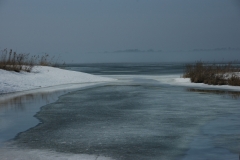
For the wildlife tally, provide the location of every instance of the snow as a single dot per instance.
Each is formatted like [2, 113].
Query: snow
[176, 80]
[186, 82]
[43, 76]
[229, 75]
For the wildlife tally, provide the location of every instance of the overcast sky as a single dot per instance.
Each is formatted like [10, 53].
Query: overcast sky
[78, 30]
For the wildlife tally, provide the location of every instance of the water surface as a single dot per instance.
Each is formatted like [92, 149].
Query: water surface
[138, 118]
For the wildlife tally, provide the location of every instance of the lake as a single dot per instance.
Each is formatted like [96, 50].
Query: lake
[138, 117]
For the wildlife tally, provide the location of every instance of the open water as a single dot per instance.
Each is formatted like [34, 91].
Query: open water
[139, 117]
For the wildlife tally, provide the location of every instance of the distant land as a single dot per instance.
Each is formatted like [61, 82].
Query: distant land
[159, 51]
[217, 49]
[132, 50]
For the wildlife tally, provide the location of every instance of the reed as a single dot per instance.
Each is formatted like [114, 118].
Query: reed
[13, 61]
[213, 74]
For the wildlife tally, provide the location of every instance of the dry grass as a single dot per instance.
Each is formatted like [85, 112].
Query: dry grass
[213, 74]
[13, 61]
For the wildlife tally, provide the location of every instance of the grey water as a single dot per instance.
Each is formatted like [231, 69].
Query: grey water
[138, 118]
[17, 113]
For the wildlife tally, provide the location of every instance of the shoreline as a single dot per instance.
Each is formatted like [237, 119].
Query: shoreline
[177, 80]
[32, 101]
[71, 87]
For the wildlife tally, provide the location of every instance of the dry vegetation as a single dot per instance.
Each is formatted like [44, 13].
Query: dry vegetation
[13, 61]
[213, 74]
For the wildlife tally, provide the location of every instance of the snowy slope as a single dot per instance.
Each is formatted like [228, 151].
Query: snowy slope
[43, 76]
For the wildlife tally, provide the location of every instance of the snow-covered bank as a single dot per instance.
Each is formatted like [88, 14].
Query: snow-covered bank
[43, 76]
[175, 80]
[187, 82]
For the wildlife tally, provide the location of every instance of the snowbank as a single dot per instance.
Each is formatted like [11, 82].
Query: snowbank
[175, 80]
[187, 82]
[43, 76]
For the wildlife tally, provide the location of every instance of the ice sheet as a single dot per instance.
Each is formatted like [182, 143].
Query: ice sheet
[176, 80]
[25, 154]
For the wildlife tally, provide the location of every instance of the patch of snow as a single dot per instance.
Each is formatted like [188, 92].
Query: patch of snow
[230, 74]
[188, 83]
[44, 76]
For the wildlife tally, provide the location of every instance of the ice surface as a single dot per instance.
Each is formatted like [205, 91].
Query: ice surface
[176, 80]
[17, 109]
[28, 154]
[218, 137]
[130, 122]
